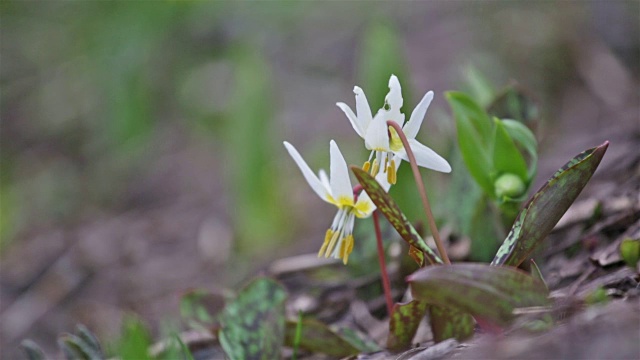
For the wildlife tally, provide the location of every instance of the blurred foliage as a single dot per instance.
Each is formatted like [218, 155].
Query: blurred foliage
[250, 136]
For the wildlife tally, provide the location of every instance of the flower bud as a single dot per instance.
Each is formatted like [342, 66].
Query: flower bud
[509, 185]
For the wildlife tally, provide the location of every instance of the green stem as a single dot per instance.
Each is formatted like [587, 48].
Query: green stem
[423, 193]
[383, 267]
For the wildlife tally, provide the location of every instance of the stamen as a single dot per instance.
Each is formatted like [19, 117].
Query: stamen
[366, 166]
[332, 244]
[347, 248]
[391, 172]
[375, 168]
[327, 237]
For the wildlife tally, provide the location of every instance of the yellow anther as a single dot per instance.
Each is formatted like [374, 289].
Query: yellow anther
[366, 166]
[332, 243]
[386, 160]
[391, 172]
[327, 237]
[375, 167]
[346, 248]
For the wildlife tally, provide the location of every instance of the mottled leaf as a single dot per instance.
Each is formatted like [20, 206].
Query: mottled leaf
[417, 255]
[318, 338]
[253, 324]
[487, 292]
[392, 212]
[475, 132]
[541, 213]
[447, 323]
[403, 324]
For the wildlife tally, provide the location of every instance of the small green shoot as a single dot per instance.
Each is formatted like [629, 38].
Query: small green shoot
[630, 252]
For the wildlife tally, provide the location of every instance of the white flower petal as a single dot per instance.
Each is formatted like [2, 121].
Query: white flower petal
[340, 183]
[324, 179]
[364, 206]
[311, 178]
[363, 109]
[394, 97]
[425, 157]
[377, 137]
[417, 116]
[355, 122]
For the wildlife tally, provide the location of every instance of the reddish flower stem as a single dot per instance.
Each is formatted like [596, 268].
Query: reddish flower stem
[383, 267]
[423, 193]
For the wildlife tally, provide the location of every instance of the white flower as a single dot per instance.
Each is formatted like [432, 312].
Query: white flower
[337, 190]
[383, 140]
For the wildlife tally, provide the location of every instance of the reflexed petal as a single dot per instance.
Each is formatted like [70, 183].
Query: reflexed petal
[394, 97]
[340, 183]
[363, 109]
[364, 206]
[311, 178]
[417, 116]
[425, 157]
[377, 137]
[355, 122]
[324, 179]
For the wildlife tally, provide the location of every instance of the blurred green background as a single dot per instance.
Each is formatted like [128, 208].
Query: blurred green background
[141, 142]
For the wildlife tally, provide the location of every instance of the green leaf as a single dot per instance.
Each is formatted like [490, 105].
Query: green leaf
[134, 340]
[403, 324]
[32, 350]
[318, 338]
[522, 136]
[541, 213]
[392, 212]
[474, 138]
[253, 325]
[506, 156]
[513, 102]
[490, 293]
[248, 137]
[630, 252]
[447, 322]
[479, 86]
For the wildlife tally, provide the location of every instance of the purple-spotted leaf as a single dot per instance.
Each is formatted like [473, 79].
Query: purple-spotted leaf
[392, 212]
[403, 324]
[253, 325]
[447, 323]
[487, 292]
[318, 338]
[541, 213]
